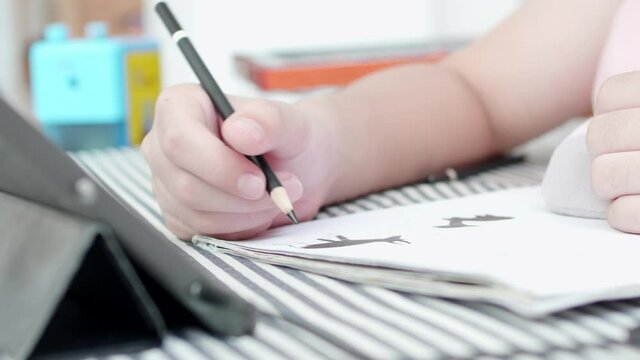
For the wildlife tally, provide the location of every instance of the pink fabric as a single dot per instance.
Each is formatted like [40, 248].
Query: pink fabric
[622, 51]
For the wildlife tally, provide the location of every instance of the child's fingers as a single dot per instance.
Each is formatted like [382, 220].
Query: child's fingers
[212, 223]
[190, 101]
[194, 193]
[190, 145]
[197, 194]
[185, 233]
[616, 174]
[180, 230]
[618, 92]
[614, 132]
[262, 126]
[624, 214]
[225, 223]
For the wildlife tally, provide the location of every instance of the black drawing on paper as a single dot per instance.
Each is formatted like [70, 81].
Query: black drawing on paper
[344, 241]
[458, 222]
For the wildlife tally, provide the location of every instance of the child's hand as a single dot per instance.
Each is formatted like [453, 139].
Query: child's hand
[205, 185]
[614, 143]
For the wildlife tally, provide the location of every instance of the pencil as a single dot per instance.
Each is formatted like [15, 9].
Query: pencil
[275, 189]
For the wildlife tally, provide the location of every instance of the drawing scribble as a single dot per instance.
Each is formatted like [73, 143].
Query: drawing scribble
[458, 222]
[344, 241]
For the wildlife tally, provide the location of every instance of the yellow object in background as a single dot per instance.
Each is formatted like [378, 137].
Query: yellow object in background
[143, 84]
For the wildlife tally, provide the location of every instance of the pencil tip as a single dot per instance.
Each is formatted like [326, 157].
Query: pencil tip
[292, 216]
[281, 198]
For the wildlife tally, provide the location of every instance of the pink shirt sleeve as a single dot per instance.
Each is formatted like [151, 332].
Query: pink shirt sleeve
[622, 50]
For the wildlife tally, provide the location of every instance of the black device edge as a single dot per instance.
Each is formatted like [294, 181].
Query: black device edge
[35, 169]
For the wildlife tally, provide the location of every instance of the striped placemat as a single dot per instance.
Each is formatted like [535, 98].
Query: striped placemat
[308, 316]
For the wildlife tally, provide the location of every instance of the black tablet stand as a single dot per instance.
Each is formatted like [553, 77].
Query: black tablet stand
[81, 273]
[75, 293]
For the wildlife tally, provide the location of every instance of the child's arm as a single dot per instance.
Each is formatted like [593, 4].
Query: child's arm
[528, 75]
[387, 129]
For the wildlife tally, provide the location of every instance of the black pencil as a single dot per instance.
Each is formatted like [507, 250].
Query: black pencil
[223, 106]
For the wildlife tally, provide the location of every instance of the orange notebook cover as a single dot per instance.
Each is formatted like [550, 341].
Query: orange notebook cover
[308, 69]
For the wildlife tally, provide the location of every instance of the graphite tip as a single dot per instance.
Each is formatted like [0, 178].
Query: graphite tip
[292, 216]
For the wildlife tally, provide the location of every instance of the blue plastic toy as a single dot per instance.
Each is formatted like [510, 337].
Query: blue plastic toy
[94, 92]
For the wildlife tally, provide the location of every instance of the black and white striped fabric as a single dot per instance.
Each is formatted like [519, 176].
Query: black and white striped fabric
[308, 316]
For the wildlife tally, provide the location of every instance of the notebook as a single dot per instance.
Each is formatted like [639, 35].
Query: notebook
[503, 247]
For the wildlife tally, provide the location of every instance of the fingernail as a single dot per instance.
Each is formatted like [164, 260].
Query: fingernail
[249, 127]
[292, 184]
[251, 186]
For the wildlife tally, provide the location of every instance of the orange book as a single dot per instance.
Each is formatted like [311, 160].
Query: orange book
[308, 69]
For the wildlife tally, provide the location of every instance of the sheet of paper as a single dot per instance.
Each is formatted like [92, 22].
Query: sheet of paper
[506, 237]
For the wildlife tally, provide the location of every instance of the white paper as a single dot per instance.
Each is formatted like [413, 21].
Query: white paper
[535, 252]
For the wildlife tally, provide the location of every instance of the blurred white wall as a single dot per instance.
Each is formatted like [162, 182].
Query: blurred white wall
[10, 79]
[220, 28]
[19, 23]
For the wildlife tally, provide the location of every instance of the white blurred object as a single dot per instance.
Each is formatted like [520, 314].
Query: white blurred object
[469, 18]
[566, 187]
[220, 29]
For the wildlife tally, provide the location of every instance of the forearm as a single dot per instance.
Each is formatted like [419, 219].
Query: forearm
[400, 125]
